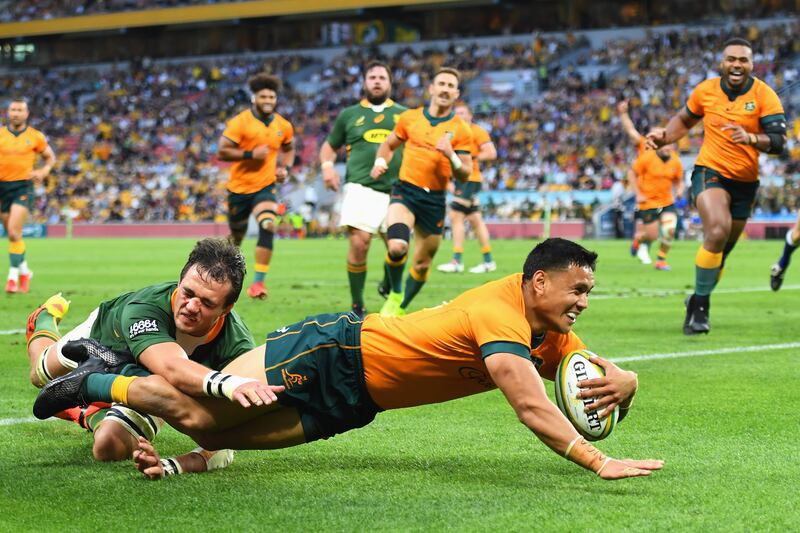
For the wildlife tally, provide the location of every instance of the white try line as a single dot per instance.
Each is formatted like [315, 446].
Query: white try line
[11, 331]
[701, 353]
[646, 357]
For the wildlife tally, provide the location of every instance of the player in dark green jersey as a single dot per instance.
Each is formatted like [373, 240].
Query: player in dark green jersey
[178, 330]
[362, 128]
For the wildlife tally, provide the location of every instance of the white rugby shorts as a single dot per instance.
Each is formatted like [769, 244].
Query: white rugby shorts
[364, 208]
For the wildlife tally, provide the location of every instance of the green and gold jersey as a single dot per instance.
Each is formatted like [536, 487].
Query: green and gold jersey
[137, 320]
[362, 128]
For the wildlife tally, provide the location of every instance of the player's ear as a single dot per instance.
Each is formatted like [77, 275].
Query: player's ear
[538, 281]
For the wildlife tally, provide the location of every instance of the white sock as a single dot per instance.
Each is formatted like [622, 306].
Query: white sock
[13, 273]
[789, 240]
[23, 268]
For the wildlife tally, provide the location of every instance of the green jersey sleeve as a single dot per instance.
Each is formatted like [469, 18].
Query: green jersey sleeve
[338, 135]
[144, 325]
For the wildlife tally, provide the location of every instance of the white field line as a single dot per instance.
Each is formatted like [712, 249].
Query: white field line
[646, 357]
[11, 331]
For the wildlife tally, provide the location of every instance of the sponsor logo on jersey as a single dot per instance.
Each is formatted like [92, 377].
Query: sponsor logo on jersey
[360, 121]
[379, 118]
[750, 106]
[143, 326]
[376, 136]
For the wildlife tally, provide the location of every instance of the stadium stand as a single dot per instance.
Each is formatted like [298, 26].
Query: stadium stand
[136, 140]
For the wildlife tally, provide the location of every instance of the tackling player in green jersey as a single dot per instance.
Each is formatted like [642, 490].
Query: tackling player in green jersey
[362, 128]
[178, 330]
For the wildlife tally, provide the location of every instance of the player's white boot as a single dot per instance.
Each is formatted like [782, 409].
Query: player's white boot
[451, 267]
[644, 254]
[483, 268]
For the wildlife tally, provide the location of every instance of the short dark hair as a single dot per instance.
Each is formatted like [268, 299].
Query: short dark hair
[378, 64]
[448, 70]
[262, 81]
[557, 254]
[737, 41]
[220, 260]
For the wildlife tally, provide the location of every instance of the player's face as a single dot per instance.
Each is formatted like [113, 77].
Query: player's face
[18, 114]
[377, 85]
[666, 150]
[199, 302]
[463, 112]
[736, 65]
[265, 101]
[564, 296]
[444, 90]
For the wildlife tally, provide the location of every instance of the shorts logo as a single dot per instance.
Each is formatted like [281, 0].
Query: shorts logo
[143, 326]
[292, 380]
[360, 121]
[750, 106]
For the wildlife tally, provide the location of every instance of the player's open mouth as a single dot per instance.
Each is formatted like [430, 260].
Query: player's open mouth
[735, 76]
[572, 317]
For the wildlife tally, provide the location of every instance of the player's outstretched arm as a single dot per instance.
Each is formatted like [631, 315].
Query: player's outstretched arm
[523, 388]
[149, 462]
[168, 360]
[627, 123]
[677, 127]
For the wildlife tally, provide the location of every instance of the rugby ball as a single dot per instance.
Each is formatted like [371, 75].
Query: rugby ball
[576, 367]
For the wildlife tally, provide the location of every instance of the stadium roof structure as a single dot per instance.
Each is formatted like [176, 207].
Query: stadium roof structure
[197, 14]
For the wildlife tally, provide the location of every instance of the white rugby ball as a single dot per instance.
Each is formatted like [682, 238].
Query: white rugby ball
[576, 367]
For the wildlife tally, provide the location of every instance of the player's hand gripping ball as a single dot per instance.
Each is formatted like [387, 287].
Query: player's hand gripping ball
[577, 367]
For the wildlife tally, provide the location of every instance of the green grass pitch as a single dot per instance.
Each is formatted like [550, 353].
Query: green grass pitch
[723, 416]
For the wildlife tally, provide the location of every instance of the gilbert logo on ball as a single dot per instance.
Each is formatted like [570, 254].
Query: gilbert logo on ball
[576, 367]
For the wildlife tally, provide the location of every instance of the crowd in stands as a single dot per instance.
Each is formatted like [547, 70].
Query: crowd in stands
[16, 11]
[137, 142]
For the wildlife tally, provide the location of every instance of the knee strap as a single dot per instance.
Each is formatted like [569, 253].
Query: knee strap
[265, 238]
[399, 231]
[266, 219]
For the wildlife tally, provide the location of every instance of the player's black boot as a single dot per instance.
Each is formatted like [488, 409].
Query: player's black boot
[82, 349]
[776, 277]
[696, 320]
[65, 392]
[360, 311]
[384, 287]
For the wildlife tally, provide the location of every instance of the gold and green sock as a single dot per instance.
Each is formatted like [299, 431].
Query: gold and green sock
[457, 254]
[394, 270]
[414, 283]
[357, 276]
[487, 254]
[260, 272]
[707, 267]
[16, 253]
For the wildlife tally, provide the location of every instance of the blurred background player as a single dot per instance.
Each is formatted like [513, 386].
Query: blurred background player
[741, 116]
[362, 128]
[418, 197]
[657, 178]
[260, 143]
[465, 204]
[791, 243]
[20, 145]
[178, 330]
[340, 372]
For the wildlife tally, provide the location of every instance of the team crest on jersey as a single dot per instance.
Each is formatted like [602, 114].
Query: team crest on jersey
[279, 133]
[143, 326]
[379, 118]
[750, 106]
[395, 118]
[360, 121]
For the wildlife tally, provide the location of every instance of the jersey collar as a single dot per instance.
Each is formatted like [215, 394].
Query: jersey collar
[259, 118]
[377, 108]
[215, 329]
[732, 94]
[437, 120]
[16, 133]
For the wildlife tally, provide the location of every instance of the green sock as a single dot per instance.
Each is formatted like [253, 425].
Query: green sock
[16, 259]
[97, 387]
[412, 288]
[93, 420]
[47, 322]
[704, 280]
[394, 271]
[357, 275]
[487, 257]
